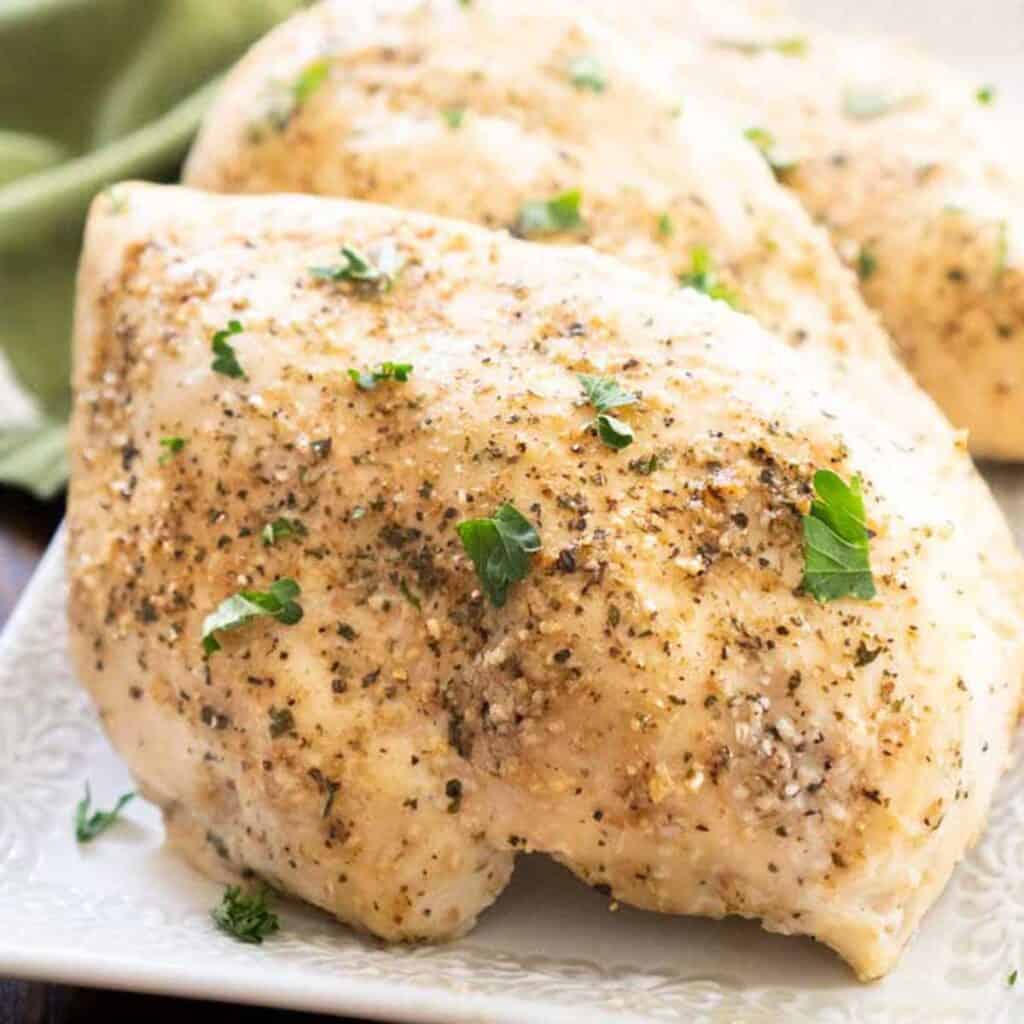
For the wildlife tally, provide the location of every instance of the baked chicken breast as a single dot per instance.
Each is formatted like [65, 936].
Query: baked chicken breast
[472, 110]
[371, 599]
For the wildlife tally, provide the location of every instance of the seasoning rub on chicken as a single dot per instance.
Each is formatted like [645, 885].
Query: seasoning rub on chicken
[398, 548]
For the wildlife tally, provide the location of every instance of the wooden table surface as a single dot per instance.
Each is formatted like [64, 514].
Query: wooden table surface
[25, 528]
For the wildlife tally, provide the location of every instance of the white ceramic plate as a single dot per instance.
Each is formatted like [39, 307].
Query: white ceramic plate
[124, 913]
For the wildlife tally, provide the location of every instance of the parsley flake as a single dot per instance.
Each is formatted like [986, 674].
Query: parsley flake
[1012, 979]
[666, 229]
[173, 446]
[867, 263]
[986, 95]
[788, 46]
[615, 433]
[283, 99]
[549, 216]
[768, 147]
[310, 79]
[238, 609]
[453, 117]
[587, 73]
[702, 277]
[245, 916]
[361, 270]
[368, 380]
[645, 465]
[89, 826]
[605, 394]
[225, 361]
[836, 560]
[499, 548]
[280, 529]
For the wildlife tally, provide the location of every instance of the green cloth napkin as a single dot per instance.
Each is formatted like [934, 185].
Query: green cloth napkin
[91, 92]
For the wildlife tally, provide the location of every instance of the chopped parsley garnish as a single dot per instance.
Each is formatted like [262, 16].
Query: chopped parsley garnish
[310, 79]
[360, 270]
[867, 263]
[280, 529]
[500, 549]
[586, 73]
[549, 216]
[238, 609]
[453, 117]
[836, 560]
[702, 277]
[225, 361]
[173, 446]
[645, 465]
[766, 143]
[245, 916]
[788, 46]
[605, 394]
[1012, 979]
[89, 826]
[283, 100]
[615, 433]
[986, 95]
[666, 229]
[368, 380]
